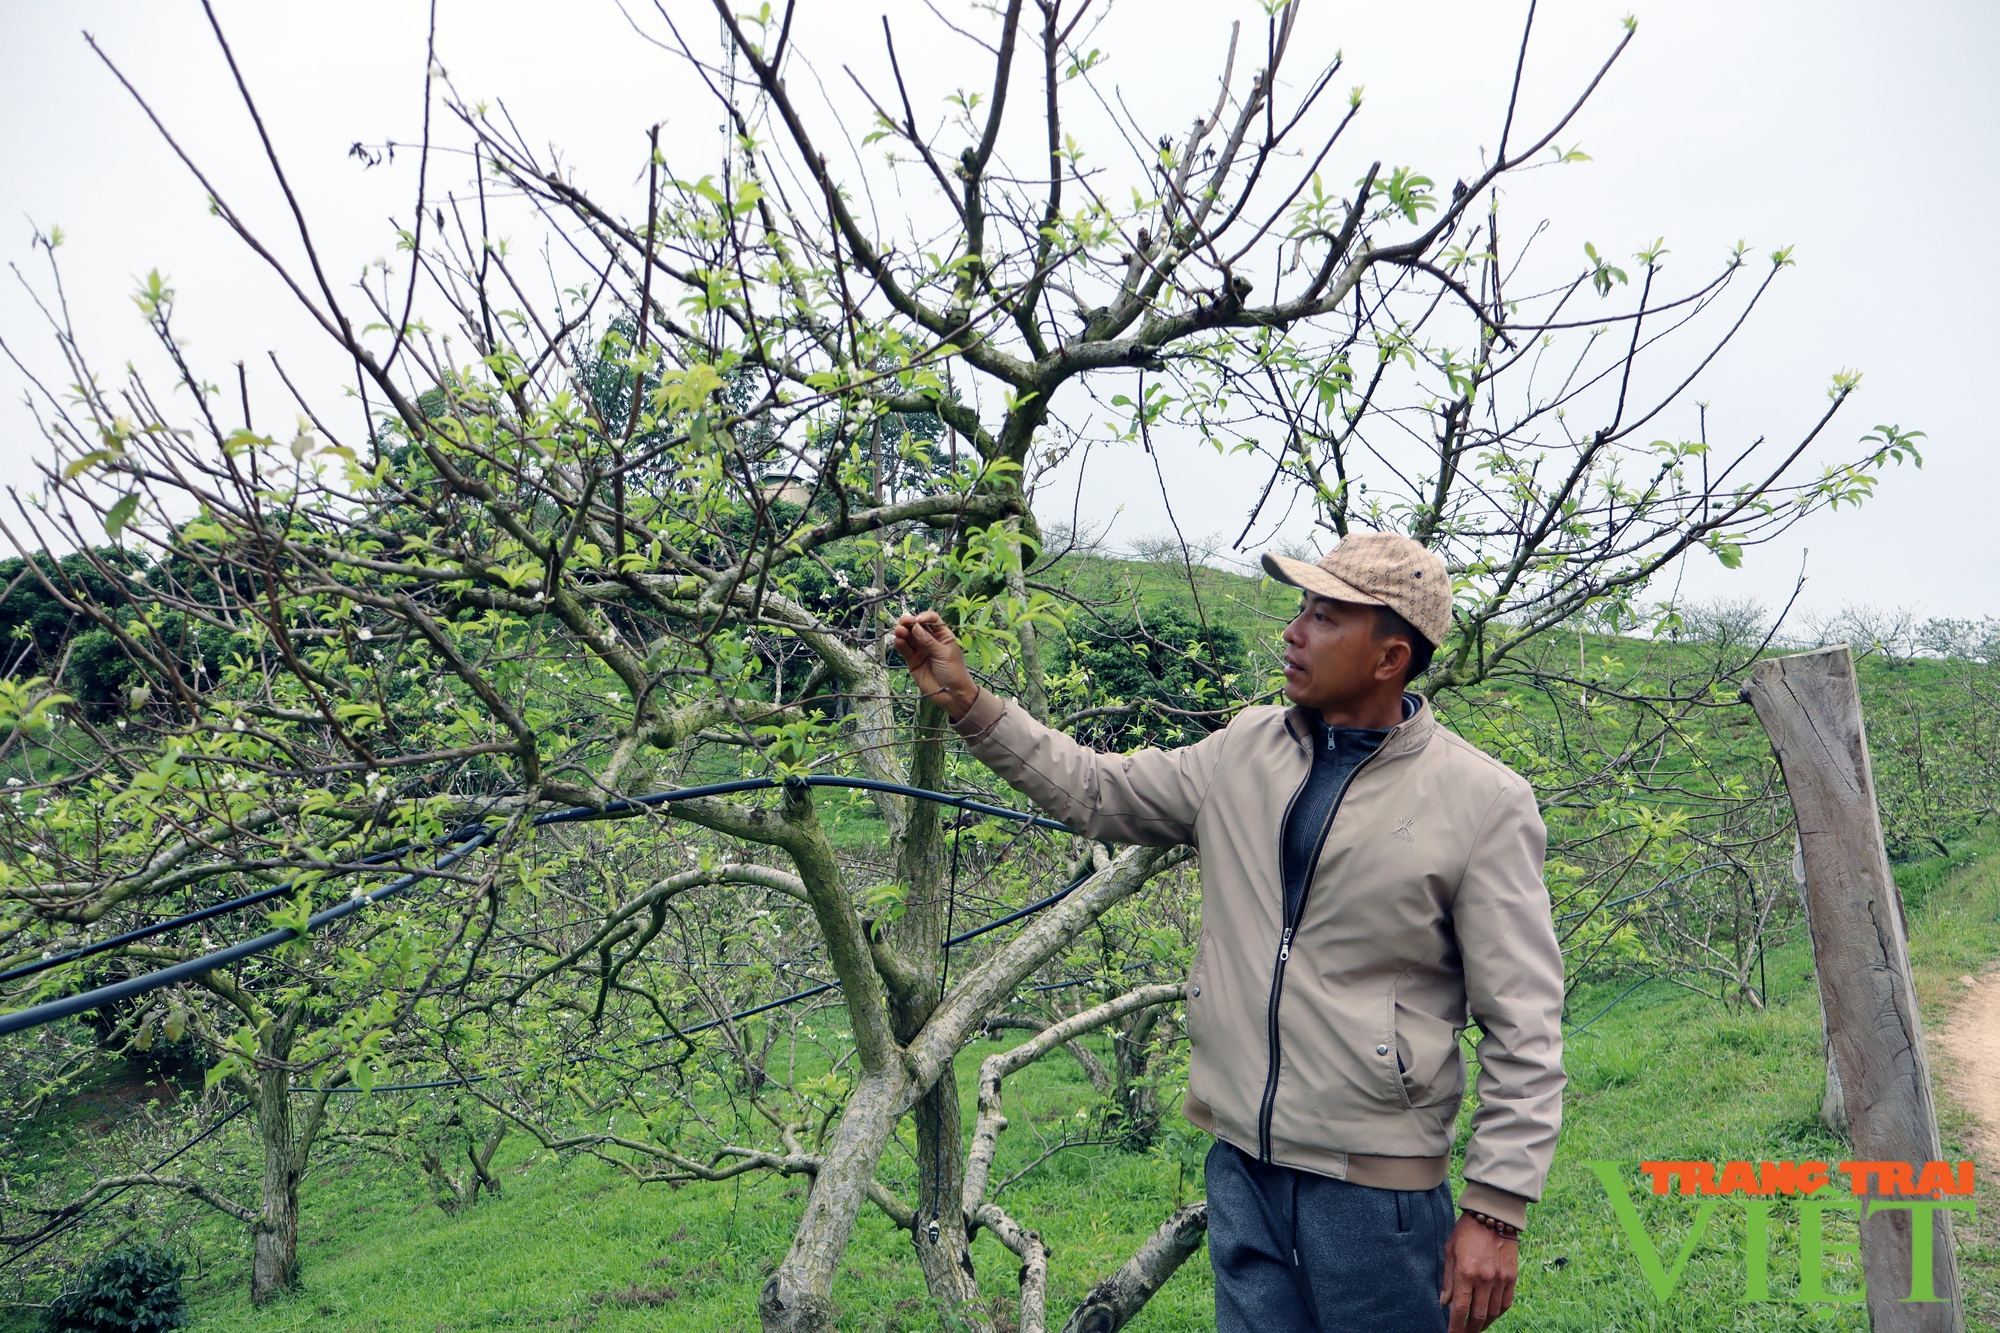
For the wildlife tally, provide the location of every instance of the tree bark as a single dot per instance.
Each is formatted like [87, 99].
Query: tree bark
[274, 1236]
[798, 1298]
[1113, 1302]
[1034, 690]
[1137, 1095]
[1093, 1068]
[1033, 1253]
[924, 860]
[943, 1248]
[1810, 706]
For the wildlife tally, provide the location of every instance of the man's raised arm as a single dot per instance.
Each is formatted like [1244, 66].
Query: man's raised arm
[1149, 797]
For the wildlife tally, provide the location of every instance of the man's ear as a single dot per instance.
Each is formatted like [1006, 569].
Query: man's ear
[1393, 662]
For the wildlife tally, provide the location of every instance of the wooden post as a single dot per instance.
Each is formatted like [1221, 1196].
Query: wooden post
[1832, 1106]
[1812, 710]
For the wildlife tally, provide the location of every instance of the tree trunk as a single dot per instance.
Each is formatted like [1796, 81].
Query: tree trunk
[798, 1298]
[1810, 706]
[925, 860]
[943, 1249]
[1028, 661]
[1137, 1096]
[274, 1238]
[454, 1194]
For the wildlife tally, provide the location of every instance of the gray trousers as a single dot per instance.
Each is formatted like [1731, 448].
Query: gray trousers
[1298, 1253]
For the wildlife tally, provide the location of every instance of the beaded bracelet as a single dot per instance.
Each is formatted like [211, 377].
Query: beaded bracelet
[1505, 1230]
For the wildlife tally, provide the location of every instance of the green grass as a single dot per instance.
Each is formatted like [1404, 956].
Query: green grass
[1256, 606]
[572, 1245]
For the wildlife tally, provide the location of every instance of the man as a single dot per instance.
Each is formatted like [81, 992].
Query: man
[1369, 881]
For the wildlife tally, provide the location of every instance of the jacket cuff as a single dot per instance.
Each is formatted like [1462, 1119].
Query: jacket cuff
[1482, 1198]
[986, 711]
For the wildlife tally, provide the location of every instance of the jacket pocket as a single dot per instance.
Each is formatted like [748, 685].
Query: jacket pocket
[1197, 1004]
[1432, 1071]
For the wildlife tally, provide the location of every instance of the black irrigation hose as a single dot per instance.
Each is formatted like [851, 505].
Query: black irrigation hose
[21, 1020]
[474, 839]
[462, 1081]
[766, 1007]
[1012, 917]
[162, 927]
[1578, 1030]
[571, 815]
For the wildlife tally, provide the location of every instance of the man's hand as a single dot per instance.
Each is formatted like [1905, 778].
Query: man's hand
[1479, 1273]
[936, 662]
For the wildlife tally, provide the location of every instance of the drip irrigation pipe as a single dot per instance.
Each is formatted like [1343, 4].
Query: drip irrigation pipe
[470, 840]
[162, 927]
[70, 1005]
[570, 815]
[436, 1084]
[1578, 1030]
[764, 1008]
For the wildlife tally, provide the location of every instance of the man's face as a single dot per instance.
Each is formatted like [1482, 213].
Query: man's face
[1332, 657]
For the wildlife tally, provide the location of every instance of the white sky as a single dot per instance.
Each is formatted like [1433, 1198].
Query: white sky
[1867, 135]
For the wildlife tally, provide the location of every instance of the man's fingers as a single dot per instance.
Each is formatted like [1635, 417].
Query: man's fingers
[1455, 1294]
[911, 631]
[1476, 1315]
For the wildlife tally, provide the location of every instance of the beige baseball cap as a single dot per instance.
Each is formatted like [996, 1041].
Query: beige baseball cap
[1377, 569]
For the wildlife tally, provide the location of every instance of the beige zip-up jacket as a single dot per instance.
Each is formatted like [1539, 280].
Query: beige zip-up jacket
[1427, 908]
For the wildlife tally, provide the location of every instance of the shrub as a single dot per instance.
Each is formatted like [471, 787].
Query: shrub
[1168, 658]
[135, 1290]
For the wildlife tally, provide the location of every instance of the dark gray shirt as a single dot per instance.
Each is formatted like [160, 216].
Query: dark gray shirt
[1337, 752]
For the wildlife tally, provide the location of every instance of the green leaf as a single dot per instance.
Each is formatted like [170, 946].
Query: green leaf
[121, 514]
[887, 900]
[87, 462]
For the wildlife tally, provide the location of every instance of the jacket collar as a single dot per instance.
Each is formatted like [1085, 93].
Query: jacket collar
[1406, 737]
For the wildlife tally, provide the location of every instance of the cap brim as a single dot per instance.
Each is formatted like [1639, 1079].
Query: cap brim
[1311, 578]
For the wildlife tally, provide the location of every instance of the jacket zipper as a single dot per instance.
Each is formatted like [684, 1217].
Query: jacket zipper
[1292, 919]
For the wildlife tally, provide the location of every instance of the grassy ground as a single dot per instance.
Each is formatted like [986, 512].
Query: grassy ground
[1658, 1075]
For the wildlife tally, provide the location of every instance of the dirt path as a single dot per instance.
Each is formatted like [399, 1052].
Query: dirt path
[1971, 1040]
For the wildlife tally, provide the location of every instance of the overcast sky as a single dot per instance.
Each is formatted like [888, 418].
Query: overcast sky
[1863, 134]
